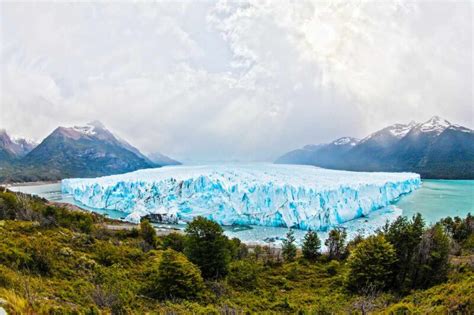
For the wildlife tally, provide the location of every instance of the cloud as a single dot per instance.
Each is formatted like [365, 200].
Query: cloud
[234, 80]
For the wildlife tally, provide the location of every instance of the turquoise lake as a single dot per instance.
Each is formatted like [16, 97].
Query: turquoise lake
[436, 199]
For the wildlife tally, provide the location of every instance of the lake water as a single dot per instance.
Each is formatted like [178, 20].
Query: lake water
[436, 199]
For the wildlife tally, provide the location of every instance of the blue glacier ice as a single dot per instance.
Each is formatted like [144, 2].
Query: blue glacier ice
[297, 196]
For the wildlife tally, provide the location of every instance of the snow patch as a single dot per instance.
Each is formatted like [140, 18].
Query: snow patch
[86, 130]
[436, 125]
[346, 140]
[401, 130]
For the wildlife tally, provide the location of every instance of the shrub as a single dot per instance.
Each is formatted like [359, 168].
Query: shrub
[74, 220]
[332, 267]
[207, 247]
[371, 264]
[311, 245]
[238, 250]
[175, 277]
[42, 256]
[112, 289]
[243, 274]
[401, 309]
[8, 205]
[175, 241]
[289, 248]
[148, 233]
[106, 254]
[7, 277]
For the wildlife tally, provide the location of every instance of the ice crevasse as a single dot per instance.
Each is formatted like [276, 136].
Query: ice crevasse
[296, 196]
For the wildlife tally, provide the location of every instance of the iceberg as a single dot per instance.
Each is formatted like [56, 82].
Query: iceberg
[293, 196]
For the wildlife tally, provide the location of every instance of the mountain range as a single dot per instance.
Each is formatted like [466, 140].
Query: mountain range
[13, 148]
[435, 149]
[79, 151]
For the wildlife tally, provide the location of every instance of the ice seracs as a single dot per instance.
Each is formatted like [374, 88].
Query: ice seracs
[295, 196]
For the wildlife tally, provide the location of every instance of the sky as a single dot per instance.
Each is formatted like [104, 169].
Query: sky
[226, 80]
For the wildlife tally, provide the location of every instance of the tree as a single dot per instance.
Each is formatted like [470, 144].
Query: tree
[238, 250]
[370, 264]
[335, 243]
[430, 265]
[175, 277]
[208, 247]
[405, 236]
[311, 245]
[148, 233]
[289, 248]
[459, 229]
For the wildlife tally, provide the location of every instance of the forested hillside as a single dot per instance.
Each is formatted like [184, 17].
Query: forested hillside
[55, 260]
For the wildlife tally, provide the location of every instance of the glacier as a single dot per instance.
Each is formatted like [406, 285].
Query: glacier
[293, 196]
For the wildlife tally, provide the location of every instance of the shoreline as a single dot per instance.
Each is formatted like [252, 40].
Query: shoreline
[37, 183]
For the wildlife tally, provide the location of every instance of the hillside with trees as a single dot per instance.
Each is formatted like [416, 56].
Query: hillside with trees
[55, 260]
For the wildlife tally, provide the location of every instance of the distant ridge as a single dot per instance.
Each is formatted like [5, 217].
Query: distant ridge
[434, 149]
[79, 151]
[12, 148]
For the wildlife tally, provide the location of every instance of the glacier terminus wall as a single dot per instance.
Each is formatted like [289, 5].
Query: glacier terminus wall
[303, 197]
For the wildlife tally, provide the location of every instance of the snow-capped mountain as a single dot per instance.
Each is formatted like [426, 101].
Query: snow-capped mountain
[435, 149]
[12, 148]
[90, 150]
[323, 155]
[435, 125]
[396, 131]
[79, 151]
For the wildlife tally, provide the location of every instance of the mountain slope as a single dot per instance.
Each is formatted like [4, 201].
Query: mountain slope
[434, 149]
[12, 149]
[162, 159]
[324, 155]
[85, 151]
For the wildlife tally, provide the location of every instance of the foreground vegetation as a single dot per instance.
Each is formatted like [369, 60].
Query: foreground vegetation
[58, 261]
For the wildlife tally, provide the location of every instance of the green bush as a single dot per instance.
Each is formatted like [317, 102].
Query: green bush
[371, 264]
[148, 233]
[238, 250]
[108, 254]
[401, 309]
[243, 274]
[7, 277]
[332, 267]
[175, 241]
[113, 289]
[75, 220]
[175, 277]
[8, 206]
